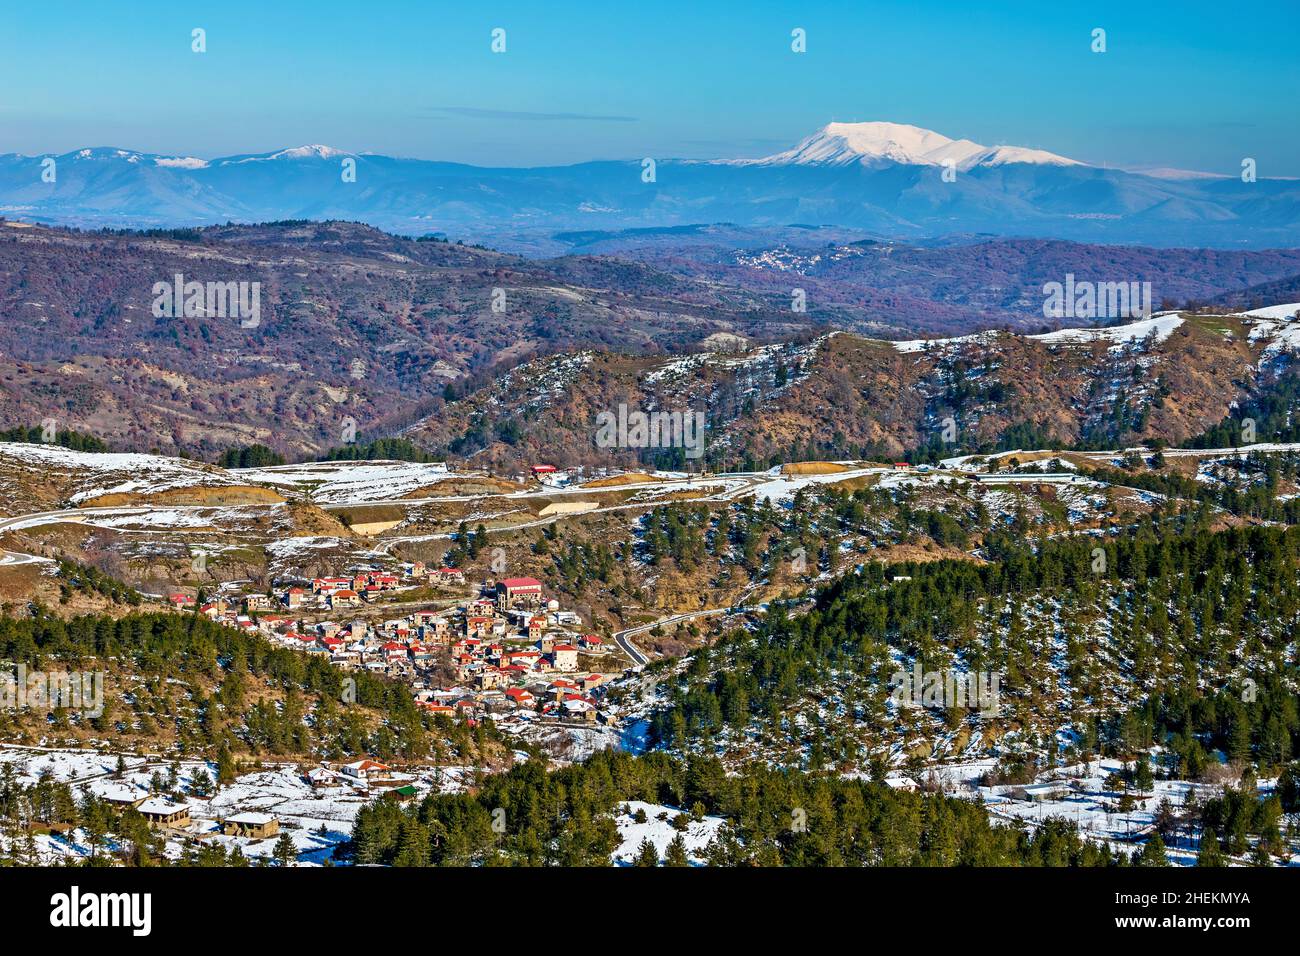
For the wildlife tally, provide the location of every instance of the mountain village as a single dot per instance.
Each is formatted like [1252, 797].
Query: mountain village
[501, 652]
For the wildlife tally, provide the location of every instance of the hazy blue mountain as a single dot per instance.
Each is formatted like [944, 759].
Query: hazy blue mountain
[894, 180]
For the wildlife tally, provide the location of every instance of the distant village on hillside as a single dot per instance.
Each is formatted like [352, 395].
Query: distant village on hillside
[502, 652]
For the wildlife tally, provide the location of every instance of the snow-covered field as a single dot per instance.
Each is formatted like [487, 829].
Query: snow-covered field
[1276, 326]
[102, 473]
[782, 487]
[1077, 793]
[658, 829]
[344, 482]
[1161, 326]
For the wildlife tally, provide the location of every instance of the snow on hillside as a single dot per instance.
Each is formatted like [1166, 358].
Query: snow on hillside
[920, 345]
[783, 487]
[761, 360]
[340, 482]
[101, 473]
[1005, 155]
[1288, 311]
[1277, 326]
[63, 765]
[317, 820]
[1162, 326]
[697, 835]
[534, 385]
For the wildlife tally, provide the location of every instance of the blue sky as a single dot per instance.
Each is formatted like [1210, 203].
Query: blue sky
[1195, 84]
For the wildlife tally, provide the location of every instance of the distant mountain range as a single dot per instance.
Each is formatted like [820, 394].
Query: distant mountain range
[887, 179]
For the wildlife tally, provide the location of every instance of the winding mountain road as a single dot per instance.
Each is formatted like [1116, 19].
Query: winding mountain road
[639, 659]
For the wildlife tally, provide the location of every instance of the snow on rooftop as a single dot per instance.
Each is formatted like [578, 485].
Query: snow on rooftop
[251, 819]
[162, 806]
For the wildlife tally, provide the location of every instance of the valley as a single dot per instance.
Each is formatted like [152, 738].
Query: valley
[673, 587]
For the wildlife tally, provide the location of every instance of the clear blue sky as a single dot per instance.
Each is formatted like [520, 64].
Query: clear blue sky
[1193, 84]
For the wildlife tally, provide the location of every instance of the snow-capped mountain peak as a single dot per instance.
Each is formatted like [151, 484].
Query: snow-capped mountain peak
[107, 152]
[313, 151]
[875, 144]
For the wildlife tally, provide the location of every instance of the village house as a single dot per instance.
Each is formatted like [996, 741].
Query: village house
[447, 576]
[323, 778]
[520, 697]
[162, 814]
[293, 598]
[566, 657]
[365, 770]
[257, 826]
[438, 633]
[257, 602]
[560, 688]
[272, 623]
[122, 797]
[403, 794]
[577, 707]
[344, 598]
[328, 586]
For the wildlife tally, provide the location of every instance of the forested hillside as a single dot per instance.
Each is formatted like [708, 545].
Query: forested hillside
[1172, 635]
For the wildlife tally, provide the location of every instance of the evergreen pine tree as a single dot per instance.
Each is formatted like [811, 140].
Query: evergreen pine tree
[646, 855]
[284, 850]
[1153, 853]
[1210, 853]
[675, 855]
